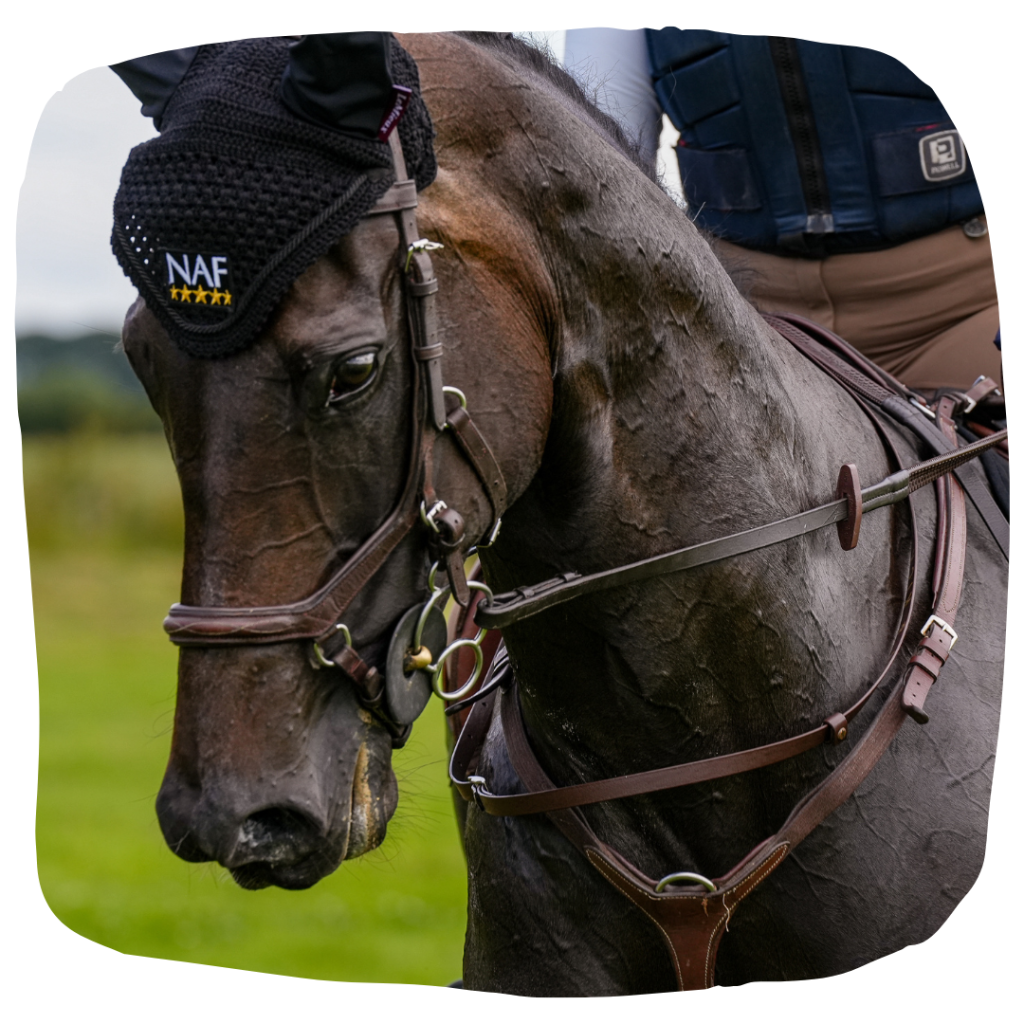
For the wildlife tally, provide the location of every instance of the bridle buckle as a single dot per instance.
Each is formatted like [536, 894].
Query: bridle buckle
[477, 782]
[429, 517]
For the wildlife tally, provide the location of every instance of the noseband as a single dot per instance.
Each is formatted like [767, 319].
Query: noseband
[398, 696]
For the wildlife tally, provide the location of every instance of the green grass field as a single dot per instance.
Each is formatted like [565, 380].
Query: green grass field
[104, 534]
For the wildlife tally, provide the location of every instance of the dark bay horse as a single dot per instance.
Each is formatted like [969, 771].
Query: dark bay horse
[635, 404]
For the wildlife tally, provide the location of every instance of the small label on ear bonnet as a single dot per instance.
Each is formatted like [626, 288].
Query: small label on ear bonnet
[399, 103]
[197, 279]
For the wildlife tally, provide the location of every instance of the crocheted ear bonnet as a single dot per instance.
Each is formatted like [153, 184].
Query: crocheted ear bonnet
[217, 216]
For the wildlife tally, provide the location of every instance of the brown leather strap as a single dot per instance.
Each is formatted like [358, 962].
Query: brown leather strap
[981, 389]
[692, 921]
[819, 345]
[938, 635]
[314, 617]
[478, 453]
[524, 602]
[307, 619]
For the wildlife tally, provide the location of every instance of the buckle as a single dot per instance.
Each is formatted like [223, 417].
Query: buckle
[319, 659]
[420, 245]
[934, 620]
[428, 517]
[477, 782]
[922, 408]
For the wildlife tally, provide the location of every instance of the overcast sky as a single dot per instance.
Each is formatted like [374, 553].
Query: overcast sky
[68, 279]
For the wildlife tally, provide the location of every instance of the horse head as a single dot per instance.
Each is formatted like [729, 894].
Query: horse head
[304, 458]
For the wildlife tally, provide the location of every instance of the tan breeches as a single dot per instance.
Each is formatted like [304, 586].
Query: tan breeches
[926, 310]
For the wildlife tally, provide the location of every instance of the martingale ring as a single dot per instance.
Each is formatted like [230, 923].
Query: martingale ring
[685, 876]
[438, 668]
[478, 653]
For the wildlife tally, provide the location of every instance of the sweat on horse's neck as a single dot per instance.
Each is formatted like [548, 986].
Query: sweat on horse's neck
[677, 417]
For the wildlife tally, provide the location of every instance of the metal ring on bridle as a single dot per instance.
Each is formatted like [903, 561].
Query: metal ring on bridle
[435, 597]
[438, 665]
[322, 660]
[438, 668]
[685, 876]
[431, 576]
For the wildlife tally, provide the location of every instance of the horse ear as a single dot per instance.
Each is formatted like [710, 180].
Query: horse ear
[153, 79]
[341, 80]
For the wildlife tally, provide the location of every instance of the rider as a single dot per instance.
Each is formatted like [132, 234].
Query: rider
[832, 179]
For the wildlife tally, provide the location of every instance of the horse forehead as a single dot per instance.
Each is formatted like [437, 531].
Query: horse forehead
[342, 294]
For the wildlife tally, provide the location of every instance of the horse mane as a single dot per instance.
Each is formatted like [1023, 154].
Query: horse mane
[540, 62]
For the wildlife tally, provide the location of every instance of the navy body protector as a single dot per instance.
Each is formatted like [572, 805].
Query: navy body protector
[809, 149]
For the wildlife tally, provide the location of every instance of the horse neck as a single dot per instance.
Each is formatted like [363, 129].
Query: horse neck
[678, 417]
[663, 376]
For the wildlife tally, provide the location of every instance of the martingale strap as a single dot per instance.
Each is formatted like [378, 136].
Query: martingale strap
[525, 602]
[870, 386]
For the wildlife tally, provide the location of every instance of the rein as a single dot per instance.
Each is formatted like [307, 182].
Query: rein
[397, 697]
[851, 504]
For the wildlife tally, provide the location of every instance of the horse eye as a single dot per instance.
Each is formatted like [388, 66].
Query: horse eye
[351, 375]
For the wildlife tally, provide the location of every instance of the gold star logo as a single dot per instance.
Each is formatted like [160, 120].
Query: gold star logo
[201, 295]
[176, 294]
[227, 298]
[186, 294]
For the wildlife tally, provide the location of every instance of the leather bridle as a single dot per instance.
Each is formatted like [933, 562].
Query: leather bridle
[318, 617]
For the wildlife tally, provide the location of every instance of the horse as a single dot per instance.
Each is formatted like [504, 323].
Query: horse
[635, 403]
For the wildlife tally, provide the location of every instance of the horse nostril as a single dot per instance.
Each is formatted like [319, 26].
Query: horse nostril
[275, 835]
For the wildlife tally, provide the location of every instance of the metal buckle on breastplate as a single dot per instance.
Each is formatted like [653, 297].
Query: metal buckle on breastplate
[934, 620]
[477, 782]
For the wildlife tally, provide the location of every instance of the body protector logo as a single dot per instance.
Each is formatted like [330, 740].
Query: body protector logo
[942, 156]
[198, 279]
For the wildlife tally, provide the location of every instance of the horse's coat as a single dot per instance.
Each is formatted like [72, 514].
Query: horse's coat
[635, 404]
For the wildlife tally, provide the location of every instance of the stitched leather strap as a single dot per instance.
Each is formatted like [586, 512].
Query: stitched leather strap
[479, 455]
[939, 637]
[692, 921]
[314, 617]
[820, 346]
[524, 602]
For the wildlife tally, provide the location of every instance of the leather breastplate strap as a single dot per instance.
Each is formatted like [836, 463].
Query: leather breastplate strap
[692, 919]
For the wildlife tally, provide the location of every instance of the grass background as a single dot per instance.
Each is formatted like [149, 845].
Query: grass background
[104, 527]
